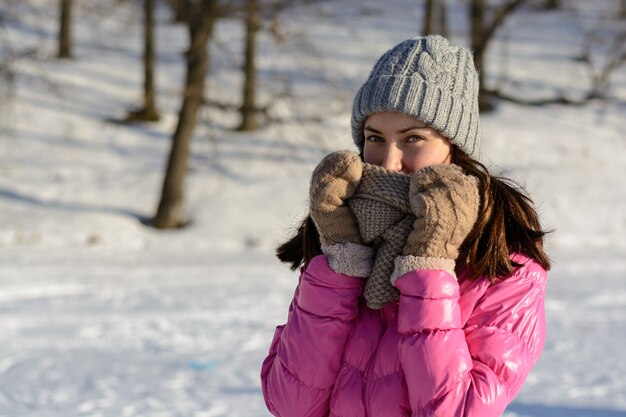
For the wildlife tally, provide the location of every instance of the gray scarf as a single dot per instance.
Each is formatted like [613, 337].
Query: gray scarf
[381, 206]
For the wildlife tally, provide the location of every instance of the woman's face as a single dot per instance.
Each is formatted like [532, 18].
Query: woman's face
[402, 143]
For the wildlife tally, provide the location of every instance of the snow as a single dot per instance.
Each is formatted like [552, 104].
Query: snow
[103, 316]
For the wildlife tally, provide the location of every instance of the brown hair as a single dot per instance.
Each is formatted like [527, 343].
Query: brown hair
[507, 222]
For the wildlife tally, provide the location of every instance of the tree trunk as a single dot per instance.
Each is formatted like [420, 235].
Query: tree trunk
[482, 33]
[552, 4]
[65, 30]
[435, 18]
[443, 18]
[429, 17]
[478, 44]
[622, 12]
[179, 9]
[170, 213]
[149, 112]
[248, 108]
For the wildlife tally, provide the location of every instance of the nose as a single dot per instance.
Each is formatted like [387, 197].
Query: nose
[392, 159]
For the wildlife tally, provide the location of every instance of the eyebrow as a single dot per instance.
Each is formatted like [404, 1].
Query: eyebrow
[371, 129]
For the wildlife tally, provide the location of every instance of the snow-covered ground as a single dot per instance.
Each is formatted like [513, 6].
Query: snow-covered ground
[102, 316]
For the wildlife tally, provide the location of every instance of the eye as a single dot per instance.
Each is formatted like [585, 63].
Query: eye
[414, 139]
[374, 138]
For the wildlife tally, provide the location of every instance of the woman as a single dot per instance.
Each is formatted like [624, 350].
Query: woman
[423, 276]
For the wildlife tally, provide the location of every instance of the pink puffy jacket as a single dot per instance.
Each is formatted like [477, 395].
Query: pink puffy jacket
[447, 348]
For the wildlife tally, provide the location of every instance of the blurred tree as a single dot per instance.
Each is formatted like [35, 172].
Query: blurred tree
[8, 80]
[601, 68]
[482, 31]
[255, 15]
[443, 18]
[552, 4]
[435, 18]
[429, 17]
[622, 12]
[178, 9]
[603, 54]
[65, 29]
[199, 17]
[148, 113]
[248, 107]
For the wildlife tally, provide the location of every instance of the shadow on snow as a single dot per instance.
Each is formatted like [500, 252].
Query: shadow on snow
[59, 205]
[541, 410]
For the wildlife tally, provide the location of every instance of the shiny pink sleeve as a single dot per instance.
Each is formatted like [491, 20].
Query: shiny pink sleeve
[298, 374]
[477, 369]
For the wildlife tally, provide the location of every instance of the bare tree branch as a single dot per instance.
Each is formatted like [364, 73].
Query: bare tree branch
[499, 17]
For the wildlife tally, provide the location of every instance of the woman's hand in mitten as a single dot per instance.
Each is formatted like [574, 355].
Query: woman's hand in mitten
[334, 181]
[445, 201]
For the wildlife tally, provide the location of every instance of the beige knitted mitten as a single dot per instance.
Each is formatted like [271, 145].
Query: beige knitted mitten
[334, 181]
[445, 202]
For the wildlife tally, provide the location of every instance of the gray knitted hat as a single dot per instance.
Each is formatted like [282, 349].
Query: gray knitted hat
[430, 79]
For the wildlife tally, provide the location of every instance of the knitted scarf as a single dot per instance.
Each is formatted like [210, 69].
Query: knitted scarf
[381, 206]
